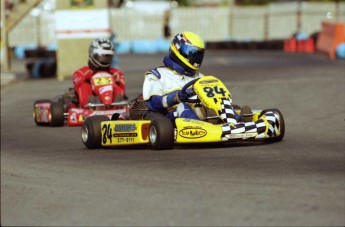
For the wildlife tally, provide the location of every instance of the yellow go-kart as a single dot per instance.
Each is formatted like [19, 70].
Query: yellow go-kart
[210, 100]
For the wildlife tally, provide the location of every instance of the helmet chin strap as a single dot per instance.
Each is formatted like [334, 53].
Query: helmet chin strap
[170, 63]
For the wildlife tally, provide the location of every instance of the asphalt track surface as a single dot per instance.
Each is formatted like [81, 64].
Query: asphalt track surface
[48, 178]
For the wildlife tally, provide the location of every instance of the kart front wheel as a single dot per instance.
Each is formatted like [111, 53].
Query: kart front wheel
[161, 134]
[281, 126]
[91, 132]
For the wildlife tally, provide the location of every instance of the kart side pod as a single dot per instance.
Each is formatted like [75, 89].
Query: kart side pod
[99, 131]
[194, 131]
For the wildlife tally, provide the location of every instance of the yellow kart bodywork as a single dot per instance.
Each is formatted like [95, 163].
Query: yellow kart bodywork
[119, 133]
[195, 131]
[134, 132]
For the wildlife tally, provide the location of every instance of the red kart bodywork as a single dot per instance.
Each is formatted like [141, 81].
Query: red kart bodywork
[75, 116]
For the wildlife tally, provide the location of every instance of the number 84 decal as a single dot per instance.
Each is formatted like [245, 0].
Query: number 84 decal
[211, 92]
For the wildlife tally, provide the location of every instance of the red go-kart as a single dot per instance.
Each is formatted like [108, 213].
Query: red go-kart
[66, 108]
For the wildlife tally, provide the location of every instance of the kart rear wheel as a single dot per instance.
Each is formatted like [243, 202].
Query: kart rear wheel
[281, 126]
[35, 113]
[91, 132]
[57, 114]
[161, 134]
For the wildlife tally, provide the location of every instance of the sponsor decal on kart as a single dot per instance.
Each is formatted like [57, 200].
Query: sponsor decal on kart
[76, 118]
[43, 115]
[108, 112]
[73, 117]
[76, 110]
[125, 128]
[241, 135]
[105, 89]
[208, 81]
[42, 111]
[192, 132]
[125, 134]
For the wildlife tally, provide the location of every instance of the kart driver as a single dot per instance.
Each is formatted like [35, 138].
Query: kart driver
[101, 52]
[162, 85]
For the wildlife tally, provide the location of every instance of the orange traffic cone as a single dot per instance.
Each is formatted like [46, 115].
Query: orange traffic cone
[290, 45]
[309, 46]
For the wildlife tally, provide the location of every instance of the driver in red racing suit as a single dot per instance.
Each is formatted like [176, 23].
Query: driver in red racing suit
[101, 52]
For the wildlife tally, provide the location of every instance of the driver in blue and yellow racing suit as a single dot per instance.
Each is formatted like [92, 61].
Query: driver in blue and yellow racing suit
[162, 85]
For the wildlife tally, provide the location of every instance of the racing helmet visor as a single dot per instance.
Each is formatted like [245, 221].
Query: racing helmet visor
[104, 57]
[193, 54]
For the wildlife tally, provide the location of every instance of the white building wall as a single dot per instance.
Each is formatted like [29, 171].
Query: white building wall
[248, 23]
[282, 20]
[131, 24]
[210, 23]
[314, 13]
[275, 21]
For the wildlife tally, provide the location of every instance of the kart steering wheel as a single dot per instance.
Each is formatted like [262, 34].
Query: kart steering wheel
[192, 93]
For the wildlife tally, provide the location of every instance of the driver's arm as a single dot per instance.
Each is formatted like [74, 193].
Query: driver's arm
[81, 75]
[154, 95]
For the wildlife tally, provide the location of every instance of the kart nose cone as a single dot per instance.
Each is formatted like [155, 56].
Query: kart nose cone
[107, 100]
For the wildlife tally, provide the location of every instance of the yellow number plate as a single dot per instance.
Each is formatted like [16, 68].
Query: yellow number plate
[210, 89]
[102, 80]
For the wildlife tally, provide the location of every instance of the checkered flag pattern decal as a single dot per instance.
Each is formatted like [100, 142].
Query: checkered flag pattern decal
[267, 126]
[228, 113]
[180, 39]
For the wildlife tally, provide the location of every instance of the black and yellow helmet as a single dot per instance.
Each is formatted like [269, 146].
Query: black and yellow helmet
[187, 49]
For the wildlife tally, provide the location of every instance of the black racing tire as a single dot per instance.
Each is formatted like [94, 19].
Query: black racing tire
[161, 134]
[91, 132]
[34, 111]
[281, 125]
[57, 114]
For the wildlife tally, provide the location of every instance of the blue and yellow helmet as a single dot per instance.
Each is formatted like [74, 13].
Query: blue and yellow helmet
[187, 49]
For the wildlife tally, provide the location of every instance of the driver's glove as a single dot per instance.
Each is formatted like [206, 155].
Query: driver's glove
[117, 77]
[181, 96]
[174, 98]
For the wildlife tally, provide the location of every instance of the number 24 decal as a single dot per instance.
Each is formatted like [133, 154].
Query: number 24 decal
[107, 134]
